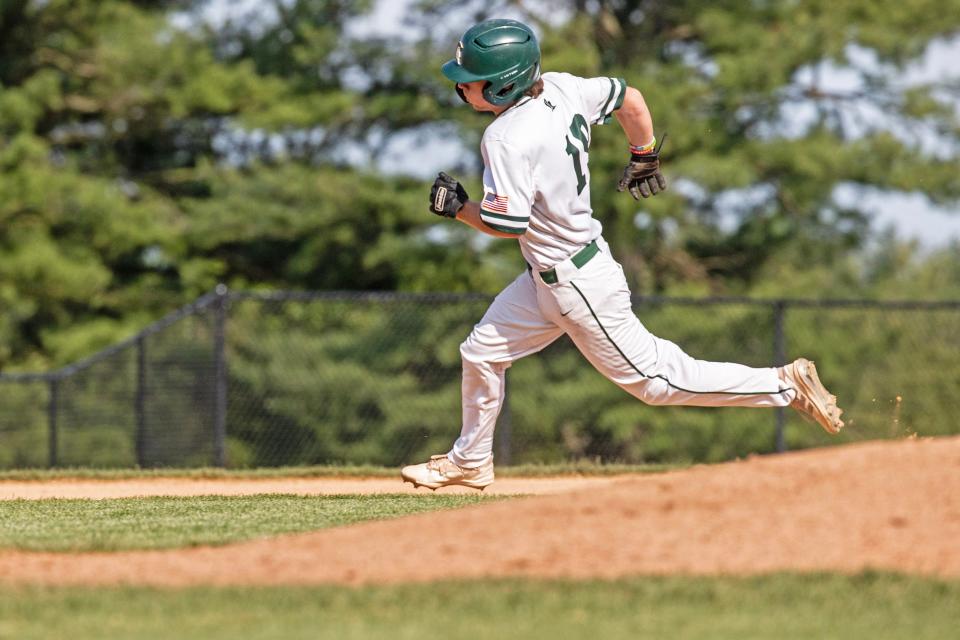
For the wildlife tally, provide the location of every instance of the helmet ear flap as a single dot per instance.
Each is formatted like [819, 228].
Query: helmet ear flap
[500, 96]
[496, 97]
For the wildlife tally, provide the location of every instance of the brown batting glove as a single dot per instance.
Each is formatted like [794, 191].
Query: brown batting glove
[447, 196]
[642, 176]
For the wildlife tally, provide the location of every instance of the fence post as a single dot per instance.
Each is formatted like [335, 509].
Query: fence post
[140, 402]
[52, 410]
[780, 359]
[220, 377]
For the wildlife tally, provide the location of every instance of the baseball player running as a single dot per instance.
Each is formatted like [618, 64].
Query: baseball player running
[536, 190]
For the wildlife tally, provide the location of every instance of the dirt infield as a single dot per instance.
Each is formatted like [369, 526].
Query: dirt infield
[98, 489]
[880, 505]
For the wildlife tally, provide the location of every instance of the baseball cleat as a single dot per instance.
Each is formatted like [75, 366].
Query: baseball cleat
[441, 471]
[813, 400]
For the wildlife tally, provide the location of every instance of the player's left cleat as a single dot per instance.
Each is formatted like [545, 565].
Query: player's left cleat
[441, 471]
[813, 400]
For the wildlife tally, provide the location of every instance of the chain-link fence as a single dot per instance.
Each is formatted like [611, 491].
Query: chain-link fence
[293, 378]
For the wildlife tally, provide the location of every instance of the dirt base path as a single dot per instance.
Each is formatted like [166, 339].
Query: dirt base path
[98, 489]
[880, 505]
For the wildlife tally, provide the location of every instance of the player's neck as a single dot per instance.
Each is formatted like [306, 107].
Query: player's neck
[523, 100]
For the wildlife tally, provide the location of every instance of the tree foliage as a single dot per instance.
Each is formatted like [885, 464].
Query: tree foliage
[149, 150]
[770, 107]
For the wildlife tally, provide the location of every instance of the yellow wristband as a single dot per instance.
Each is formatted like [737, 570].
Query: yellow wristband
[647, 148]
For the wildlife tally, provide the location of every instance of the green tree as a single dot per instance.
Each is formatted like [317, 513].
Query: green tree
[142, 162]
[96, 102]
[761, 133]
[147, 154]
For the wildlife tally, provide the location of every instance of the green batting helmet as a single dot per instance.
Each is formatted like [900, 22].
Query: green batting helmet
[504, 53]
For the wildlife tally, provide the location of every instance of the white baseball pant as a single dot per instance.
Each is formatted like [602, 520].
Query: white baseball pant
[591, 305]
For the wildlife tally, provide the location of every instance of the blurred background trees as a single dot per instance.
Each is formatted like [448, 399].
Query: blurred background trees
[151, 149]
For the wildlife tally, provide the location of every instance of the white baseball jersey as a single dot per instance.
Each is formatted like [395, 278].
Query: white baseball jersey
[536, 178]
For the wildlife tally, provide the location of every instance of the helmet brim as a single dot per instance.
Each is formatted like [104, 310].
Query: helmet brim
[457, 73]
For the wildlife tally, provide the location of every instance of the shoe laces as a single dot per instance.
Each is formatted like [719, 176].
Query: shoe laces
[442, 465]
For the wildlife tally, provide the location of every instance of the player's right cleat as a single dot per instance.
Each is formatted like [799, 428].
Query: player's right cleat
[441, 471]
[813, 400]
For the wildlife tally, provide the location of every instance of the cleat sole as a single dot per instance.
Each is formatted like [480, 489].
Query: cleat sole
[814, 390]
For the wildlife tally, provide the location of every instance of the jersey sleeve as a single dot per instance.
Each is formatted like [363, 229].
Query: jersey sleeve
[507, 188]
[602, 96]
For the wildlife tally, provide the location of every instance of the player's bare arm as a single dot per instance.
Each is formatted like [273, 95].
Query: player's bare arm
[642, 174]
[635, 119]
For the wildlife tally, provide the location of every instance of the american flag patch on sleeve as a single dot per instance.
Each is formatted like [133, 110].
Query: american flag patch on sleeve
[494, 203]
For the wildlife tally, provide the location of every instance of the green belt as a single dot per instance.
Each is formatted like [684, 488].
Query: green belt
[579, 259]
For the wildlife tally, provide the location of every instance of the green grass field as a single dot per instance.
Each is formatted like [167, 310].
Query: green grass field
[170, 522]
[577, 467]
[868, 606]
[783, 606]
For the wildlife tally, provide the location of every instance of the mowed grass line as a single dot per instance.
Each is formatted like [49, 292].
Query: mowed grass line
[172, 522]
[785, 607]
[572, 468]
